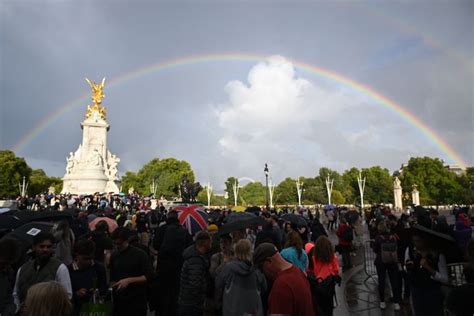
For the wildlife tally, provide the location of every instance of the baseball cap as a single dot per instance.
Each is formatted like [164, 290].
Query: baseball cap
[263, 251]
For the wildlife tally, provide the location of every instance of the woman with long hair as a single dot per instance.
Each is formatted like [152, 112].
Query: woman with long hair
[46, 299]
[324, 267]
[294, 252]
[239, 285]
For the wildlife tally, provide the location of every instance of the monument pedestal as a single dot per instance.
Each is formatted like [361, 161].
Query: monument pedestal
[92, 167]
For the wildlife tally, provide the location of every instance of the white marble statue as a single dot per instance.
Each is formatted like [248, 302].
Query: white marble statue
[71, 163]
[113, 163]
[397, 194]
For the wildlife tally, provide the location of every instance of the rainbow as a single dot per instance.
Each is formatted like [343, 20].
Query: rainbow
[357, 87]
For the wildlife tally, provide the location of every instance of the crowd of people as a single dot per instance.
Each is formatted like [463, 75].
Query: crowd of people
[118, 254]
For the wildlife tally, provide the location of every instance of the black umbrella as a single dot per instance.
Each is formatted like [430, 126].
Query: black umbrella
[42, 216]
[27, 232]
[9, 222]
[239, 221]
[423, 231]
[253, 209]
[296, 219]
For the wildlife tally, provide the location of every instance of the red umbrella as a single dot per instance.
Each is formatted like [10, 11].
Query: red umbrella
[112, 223]
[193, 217]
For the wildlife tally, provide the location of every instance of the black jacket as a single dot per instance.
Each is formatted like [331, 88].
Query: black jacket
[194, 278]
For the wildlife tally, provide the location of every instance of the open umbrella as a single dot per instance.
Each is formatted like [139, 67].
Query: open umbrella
[42, 216]
[28, 231]
[296, 219]
[9, 222]
[193, 217]
[111, 222]
[238, 221]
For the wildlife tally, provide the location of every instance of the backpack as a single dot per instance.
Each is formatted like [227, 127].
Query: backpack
[323, 293]
[388, 251]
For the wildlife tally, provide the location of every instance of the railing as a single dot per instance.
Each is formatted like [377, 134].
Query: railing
[456, 274]
[369, 258]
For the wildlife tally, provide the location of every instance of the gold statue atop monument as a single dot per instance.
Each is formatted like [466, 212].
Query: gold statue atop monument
[97, 96]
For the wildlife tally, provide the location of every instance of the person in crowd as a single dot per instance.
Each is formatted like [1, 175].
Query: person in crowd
[294, 252]
[142, 227]
[47, 299]
[194, 279]
[103, 243]
[345, 236]
[239, 282]
[460, 300]
[220, 259]
[170, 242]
[427, 271]
[44, 267]
[9, 252]
[324, 267]
[402, 233]
[213, 229]
[218, 262]
[323, 262]
[290, 293]
[434, 218]
[130, 270]
[386, 261]
[88, 278]
[317, 230]
[274, 220]
[331, 219]
[462, 233]
[64, 241]
[267, 234]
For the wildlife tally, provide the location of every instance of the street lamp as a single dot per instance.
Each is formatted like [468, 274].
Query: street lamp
[266, 185]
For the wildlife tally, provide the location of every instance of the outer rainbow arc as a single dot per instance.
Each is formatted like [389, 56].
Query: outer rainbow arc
[320, 72]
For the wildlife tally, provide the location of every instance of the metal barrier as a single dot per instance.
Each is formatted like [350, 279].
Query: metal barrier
[456, 274]
[369, 258]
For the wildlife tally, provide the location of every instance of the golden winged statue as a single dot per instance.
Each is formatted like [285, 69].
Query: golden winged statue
[97, 96]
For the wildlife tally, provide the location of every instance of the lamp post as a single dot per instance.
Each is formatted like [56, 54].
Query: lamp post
[361, 183]
[266, 185]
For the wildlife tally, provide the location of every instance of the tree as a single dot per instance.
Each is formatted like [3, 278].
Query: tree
[337, 198]
[378, 185]
[285, 192]
[229, 188]
[437, 185]
[167, 174]
[253, 194]
[351, 187]
[40, 182]
[466, 181]
[314, 191]
[12, 171]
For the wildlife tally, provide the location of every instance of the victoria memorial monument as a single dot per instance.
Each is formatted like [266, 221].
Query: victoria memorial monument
[92, 167]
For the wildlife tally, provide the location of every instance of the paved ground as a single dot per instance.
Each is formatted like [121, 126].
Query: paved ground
[358, 294]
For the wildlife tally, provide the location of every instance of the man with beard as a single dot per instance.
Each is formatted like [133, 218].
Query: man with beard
[44, 267]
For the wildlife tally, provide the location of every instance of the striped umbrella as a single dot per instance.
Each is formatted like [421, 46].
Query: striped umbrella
[193, 217]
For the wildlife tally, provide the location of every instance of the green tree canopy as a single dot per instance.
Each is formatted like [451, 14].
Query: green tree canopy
[12, 171]
[40, 182]
[285, 192]
[252, 194]
[437, 185]
[229, 188]
[379, 185]
[166, 173]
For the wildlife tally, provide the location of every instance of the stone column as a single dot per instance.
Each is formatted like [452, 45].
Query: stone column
[415, 195]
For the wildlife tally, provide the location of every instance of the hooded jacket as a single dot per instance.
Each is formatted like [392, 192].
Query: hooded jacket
[194, 278]
[239, 286]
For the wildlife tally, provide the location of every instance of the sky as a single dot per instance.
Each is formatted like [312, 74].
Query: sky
[229, 116]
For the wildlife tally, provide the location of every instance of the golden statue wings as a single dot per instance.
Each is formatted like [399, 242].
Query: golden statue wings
[97, 96]
[97, 90]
